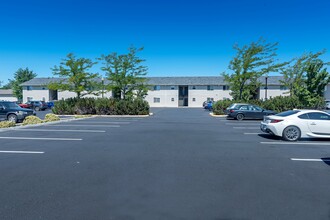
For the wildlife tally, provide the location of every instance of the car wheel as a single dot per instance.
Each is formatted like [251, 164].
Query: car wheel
[12, 118]
[291, 133]
[37, 108]
[239, 117]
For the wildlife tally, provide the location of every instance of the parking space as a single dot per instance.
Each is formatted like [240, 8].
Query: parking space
[304, 150]
[25, 140]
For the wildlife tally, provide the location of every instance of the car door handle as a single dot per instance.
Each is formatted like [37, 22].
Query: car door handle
[313, 123]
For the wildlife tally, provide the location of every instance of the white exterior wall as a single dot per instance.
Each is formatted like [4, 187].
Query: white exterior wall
[36, 93]
[327, 92]
[8, 98]
[165, 94]
[68, 94]
[200, 94]
[273, 91]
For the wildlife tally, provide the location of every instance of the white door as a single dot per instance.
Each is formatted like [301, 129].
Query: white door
[319, 123]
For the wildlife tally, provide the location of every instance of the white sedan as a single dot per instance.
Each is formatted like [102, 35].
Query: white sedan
[294, 124]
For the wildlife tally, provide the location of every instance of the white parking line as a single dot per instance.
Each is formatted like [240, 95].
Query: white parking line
[242, 124]
[246, 127]
[84, 125]
[54, 130]
[22, 152]
[295, 143]
[103, 122]
[311, 160]
[49, 139]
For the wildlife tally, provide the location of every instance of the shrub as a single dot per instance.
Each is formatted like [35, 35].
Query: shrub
[278, 104]
[64, 107]
[51, 117]
[101, 106]
[220, 106]
[7, 124]
[29, 120]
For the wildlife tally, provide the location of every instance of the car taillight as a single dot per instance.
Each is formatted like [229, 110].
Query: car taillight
[275, 121]
[231, 110]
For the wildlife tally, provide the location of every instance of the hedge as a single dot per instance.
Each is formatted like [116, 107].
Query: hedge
[278, 104]
[101, 106]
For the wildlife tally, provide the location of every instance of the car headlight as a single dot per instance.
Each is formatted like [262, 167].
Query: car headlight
[22, 113]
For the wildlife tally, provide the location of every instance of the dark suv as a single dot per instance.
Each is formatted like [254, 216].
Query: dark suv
[12, 112]
[37, 105]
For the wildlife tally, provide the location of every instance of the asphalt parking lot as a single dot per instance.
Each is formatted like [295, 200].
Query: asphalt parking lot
[180, 163]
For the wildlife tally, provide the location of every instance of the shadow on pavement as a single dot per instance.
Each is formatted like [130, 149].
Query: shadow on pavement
[326, 160]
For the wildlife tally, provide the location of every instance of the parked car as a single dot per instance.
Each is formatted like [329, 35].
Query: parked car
[50, 104]
[24, 105]
[294, 124]
[208, 105]
[327, 104]
[37, 105]
[12, 112]
[242, 111]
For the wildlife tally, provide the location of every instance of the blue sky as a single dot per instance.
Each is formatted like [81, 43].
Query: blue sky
[181, 38]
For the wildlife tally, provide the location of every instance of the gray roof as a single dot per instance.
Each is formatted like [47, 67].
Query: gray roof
[175, 80]
[6, 92]
[41, 81]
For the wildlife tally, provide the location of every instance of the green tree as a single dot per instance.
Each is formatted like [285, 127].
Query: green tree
[20, 76]
[126, 74]
[7, 86]
[294, 73]
[76, 76]
[307, 79]
[251, 62]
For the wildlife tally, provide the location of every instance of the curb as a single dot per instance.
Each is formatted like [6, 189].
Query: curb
[218, 116]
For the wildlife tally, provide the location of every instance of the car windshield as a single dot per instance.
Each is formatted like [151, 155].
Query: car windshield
[10, 105]
[287, 113]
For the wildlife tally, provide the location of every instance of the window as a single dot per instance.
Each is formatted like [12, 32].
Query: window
[156, 100]
[288, 113]
[318, 116]
[29, 99]
[303, 116]
[244, 107]
[194, 99]
[172, 99]
[210, 88]
[209, 99]
[156, 88]
[172, 87]
[256, 108]
[225, 87]
[29, 88]
[194, 87]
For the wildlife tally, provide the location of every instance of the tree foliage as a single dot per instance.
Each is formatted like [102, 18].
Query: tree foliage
[20, 76]
[126, 74]
[251, 62]
[76, 76]
[307, 77]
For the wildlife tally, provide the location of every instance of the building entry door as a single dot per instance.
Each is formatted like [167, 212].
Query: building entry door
[183, 96]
